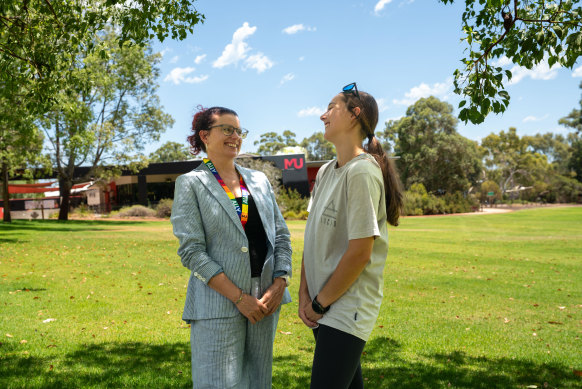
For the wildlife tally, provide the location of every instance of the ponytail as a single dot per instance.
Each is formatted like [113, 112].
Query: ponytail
[368, 118]
[392, 185]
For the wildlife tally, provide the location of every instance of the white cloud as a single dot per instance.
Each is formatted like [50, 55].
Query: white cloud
[286, 78]
[294, 29]
[541, 71]
[301, 58]
[259, 61]
[577, 72]
[439, 89]
[534, 118]
[165, 51]
[237, 49]
[199, 59]
[382, 105]
[380, 5]
[178, 76]
[311, 111]
[175, 59]
[502, 61]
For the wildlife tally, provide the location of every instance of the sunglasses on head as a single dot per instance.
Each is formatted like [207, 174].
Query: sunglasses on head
[351, 88]
[228, 130]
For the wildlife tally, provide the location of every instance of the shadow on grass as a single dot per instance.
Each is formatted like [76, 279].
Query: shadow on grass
[289, 372]
[458, 370]
[107, 365]
[140, 365]
[12, 240]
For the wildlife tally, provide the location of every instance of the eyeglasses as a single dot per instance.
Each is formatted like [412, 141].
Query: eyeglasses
[351, 88]
[228, 130]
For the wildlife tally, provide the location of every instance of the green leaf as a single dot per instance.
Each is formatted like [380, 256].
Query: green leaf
[552, 60]
[463, 115]
[485, 105]
[475, 116]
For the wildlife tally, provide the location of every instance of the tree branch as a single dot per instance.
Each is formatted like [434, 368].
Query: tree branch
[488, 50]
[53, 12]
[549, 21]
[14, 55]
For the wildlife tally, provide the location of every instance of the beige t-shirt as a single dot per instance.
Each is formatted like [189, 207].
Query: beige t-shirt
[347, 203]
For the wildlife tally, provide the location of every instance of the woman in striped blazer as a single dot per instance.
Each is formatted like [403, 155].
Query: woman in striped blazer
[236, 244]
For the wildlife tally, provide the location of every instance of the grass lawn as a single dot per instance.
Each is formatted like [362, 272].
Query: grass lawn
[485, 301]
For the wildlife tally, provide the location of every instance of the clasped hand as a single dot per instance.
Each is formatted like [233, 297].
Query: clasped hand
[306, 312]
[256, 309]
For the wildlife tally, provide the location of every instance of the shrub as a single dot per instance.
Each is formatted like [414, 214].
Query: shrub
[164, 208]
[289, 215]
[291, 200]
[273, 173]
[136, 211]
[82, 210]
[418, 202]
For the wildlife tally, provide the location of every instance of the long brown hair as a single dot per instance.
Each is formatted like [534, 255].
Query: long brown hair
[368, 119]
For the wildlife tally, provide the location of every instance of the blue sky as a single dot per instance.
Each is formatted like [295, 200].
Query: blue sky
[279, 63]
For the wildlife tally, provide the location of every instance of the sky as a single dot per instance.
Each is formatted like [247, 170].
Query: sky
[278, 64]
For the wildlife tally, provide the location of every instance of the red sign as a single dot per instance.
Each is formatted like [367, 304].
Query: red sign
[295, 162]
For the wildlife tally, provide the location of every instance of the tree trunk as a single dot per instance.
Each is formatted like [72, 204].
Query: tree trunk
[5, 194]
[65, 193]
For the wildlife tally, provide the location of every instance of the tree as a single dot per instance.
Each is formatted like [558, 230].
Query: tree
[273, 173]
[555, 147]
[575, 163]
[430, 149]
[20, 141]
[574, 121]
[489, 187]
[514, 162]
[525, 32]
[271, 142]
[43, 41]
[106, 119]
[318, 148]
[170, 152]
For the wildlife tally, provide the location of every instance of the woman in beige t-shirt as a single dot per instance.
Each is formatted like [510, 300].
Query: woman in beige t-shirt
[346, 240]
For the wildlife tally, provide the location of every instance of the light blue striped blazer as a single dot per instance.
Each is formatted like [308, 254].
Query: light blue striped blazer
[212, 239]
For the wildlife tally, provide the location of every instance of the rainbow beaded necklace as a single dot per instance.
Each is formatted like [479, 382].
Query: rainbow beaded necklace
[243, 213]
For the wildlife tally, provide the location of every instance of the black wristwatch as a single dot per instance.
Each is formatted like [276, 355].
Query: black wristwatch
[318, 308]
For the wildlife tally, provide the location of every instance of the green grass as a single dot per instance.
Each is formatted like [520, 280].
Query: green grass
[488, 301]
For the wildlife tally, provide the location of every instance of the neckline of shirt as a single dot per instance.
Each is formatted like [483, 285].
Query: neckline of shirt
[356, 158]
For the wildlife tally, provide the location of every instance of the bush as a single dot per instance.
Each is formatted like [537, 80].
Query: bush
[136, 211]
[290, 215]
[418, 202]
[164, 208]
[82, 210]
[272, 172]
[291, 200]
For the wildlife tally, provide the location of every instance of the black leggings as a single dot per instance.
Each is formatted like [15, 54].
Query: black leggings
[336, 362]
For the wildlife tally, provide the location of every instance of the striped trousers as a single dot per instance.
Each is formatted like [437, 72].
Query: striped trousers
[232, 353]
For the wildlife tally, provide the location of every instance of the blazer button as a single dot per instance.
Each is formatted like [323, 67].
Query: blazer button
[244, 249]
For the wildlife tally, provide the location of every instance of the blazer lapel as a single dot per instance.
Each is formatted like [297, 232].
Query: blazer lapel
[259, 193]
[216, 190]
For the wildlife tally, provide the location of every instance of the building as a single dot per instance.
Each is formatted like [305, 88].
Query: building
[154, 183]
